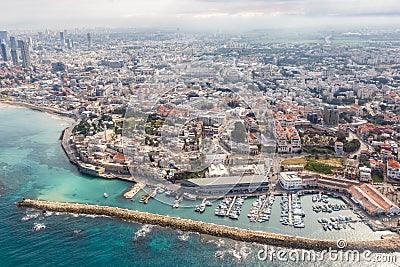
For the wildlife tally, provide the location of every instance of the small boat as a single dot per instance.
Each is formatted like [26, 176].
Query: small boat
[233, 216]
[208, 203]
[324, 227]
[202, 208]
[299, 225]
[189, 196]
[160, 190]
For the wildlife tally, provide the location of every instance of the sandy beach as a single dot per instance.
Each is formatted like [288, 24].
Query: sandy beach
[8, 103]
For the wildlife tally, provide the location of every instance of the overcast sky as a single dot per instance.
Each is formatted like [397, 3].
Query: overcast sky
[196, 14]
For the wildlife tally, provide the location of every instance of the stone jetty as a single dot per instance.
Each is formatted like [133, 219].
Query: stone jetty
[239, 234]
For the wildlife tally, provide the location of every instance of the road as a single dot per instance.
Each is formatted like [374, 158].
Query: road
[364, 145]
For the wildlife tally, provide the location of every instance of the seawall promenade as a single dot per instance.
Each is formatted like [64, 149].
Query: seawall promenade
[280, 240]
[50, 110]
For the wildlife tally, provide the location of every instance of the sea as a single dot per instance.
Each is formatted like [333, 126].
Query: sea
[33, 165]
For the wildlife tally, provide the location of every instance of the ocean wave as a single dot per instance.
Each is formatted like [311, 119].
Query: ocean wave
[30, 216]
[231, 252]
[184, 237]
[219, 243]
[240, 251]
[143, 231]
[245, 251]
[38, 226]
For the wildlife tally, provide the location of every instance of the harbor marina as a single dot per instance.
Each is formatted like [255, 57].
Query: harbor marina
[226, 211]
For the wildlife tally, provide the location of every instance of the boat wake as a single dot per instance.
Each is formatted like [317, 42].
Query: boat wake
[142, 232]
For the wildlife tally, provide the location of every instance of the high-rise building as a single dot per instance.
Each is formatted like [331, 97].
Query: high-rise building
[331, 115]
[62, 38]
[30, 42]
[70, 44]
[13, 46]
[4, 36]
[4, 52]
[89, 39]
[26, 57]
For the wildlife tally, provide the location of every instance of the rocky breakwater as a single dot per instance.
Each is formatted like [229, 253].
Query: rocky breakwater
[383, 245]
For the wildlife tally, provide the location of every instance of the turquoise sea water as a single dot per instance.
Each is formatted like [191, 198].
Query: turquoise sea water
[33, 165]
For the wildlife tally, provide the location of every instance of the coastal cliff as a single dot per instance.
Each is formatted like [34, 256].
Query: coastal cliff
[383, 245]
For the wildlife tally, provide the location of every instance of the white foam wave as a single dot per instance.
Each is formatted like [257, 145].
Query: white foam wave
[38, 226]
[30, 216]
[184, 237]
[143, 231]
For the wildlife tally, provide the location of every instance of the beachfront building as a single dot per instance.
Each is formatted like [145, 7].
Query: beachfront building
[371, 200]
[362, 194]
[227, 185]
[290, 181]
[393, 169]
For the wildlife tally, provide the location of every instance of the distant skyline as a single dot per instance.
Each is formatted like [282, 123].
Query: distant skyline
[214, 15]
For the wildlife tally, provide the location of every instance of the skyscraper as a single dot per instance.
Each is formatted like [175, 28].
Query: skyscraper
[62, 38]
[13, 46]
[26, 57]
[4, 52]
[89, 39]
[30, 42]
[70, 44]
[4, 36]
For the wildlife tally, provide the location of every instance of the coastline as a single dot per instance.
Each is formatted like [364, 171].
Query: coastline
[66, 146]
[246, 235]
[57, 113]
[63, 136]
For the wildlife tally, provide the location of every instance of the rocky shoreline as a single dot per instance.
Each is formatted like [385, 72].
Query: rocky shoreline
[280, 240]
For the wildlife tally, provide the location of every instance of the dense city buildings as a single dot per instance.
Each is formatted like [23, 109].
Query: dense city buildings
[207, 112]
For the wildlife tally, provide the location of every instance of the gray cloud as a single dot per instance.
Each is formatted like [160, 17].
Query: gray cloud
[208, 14]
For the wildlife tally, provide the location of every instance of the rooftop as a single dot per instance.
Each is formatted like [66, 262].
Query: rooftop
[230, 180]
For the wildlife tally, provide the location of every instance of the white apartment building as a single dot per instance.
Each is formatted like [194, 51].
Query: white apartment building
[290, 181]
[393, 169]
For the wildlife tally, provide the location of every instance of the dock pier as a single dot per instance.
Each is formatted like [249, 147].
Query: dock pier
[131, 193]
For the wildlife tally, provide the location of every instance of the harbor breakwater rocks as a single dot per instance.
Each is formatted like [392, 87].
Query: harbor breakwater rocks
[239, 234]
